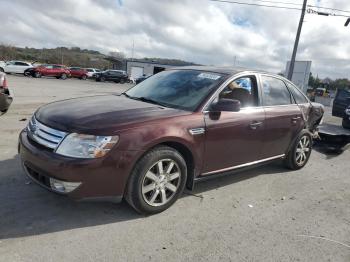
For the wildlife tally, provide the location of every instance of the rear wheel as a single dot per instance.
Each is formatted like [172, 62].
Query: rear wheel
[1, 69]
[37, 74]
[122, 81]
[300, 152]
[346, 123]
[83, 77]
[102, 79]
[64, 76]
[157, 180]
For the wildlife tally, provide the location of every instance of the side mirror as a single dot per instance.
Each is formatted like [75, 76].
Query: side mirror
[228, 105]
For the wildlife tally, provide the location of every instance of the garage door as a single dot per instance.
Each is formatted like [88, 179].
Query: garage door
[136, 72]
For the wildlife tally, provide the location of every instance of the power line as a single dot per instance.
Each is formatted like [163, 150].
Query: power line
[253, 4]
[277, 2]
[311, 11]
[329, 8]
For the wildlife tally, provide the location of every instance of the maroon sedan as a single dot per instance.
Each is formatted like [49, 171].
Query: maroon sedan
[78, 72]
[164, 134]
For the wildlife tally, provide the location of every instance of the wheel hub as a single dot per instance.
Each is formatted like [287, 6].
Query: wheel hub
[161, 182]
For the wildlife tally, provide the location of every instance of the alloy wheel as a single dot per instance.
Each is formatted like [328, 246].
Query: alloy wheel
[161, 182]
[303, 150]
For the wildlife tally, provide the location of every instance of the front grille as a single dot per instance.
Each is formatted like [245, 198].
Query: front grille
[44, 135]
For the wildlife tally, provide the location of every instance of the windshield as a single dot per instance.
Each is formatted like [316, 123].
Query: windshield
[183, 89]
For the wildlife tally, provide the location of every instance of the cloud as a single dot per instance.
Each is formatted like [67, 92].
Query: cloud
[195, 30]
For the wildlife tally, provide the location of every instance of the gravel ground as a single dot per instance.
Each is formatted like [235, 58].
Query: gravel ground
[265, 214]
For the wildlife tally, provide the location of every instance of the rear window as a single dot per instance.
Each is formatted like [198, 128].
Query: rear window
[275, 92]
[342, 94]
[297, 94]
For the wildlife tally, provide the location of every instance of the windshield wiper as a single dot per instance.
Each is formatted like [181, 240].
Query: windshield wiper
[145, 99]
[149, 100]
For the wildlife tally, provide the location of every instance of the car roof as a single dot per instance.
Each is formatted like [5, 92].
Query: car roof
[220, 70]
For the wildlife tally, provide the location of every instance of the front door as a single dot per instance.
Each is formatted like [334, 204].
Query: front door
[235, 138]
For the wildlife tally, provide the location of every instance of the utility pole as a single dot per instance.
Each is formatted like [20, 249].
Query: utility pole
[296, 43]
[132, 50]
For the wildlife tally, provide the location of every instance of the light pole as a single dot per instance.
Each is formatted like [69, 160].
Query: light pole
[296, 43]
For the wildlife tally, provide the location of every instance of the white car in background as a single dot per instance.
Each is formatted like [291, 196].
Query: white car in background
[91, 71]
[15, 67]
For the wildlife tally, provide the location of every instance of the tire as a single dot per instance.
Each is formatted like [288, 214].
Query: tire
[64, 76]
[1, 69]
[346, 124]
[300, 152]
[102, 79]
[151, 190]
[122, 81]
[84, 77]
[37, 74]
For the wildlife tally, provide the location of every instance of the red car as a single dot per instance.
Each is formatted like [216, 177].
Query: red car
[58, 71]
[78, 72]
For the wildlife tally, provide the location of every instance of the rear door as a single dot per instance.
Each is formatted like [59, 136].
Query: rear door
[284, 118]
[19, 67]
[341, 102]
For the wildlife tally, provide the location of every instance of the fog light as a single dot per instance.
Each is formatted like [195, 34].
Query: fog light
[62, 186]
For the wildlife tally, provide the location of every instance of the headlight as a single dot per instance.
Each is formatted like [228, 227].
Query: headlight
[86, 146]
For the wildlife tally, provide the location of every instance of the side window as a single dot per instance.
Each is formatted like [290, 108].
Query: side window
[297, 94]
[49, 66]
[243, 89]
[20, 64]
[274, 92]
[57, 66]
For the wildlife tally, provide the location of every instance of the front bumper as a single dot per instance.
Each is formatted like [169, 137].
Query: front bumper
[100, 179]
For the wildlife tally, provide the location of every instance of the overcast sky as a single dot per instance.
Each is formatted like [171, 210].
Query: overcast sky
[199, 31]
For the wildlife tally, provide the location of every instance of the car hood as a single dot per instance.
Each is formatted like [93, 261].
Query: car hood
[101, 115]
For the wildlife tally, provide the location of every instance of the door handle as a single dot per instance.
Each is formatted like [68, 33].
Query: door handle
[255, 124]
[296, 118]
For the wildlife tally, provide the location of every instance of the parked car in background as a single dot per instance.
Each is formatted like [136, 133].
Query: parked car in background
[176, 128]
[346, 118]
[6, 97]
[117, 76]
[341, 102]
[78, 72]
[141, 78]
[15, 67]
[58, 71]
[92, 71]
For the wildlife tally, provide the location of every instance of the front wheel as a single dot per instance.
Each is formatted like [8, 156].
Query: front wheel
[300, 152]
[84, 77]
[157, 180]
[64, 76]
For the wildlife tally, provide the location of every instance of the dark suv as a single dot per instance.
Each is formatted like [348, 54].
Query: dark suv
[173, 129]
[341, 106]
[112, 75]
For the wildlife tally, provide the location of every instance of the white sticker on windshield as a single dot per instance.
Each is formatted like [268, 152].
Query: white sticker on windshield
[209, 76]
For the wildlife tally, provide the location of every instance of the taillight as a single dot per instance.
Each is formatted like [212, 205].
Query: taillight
[4, 83]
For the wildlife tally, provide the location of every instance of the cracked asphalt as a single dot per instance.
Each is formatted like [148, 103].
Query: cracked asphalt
[264, 214]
